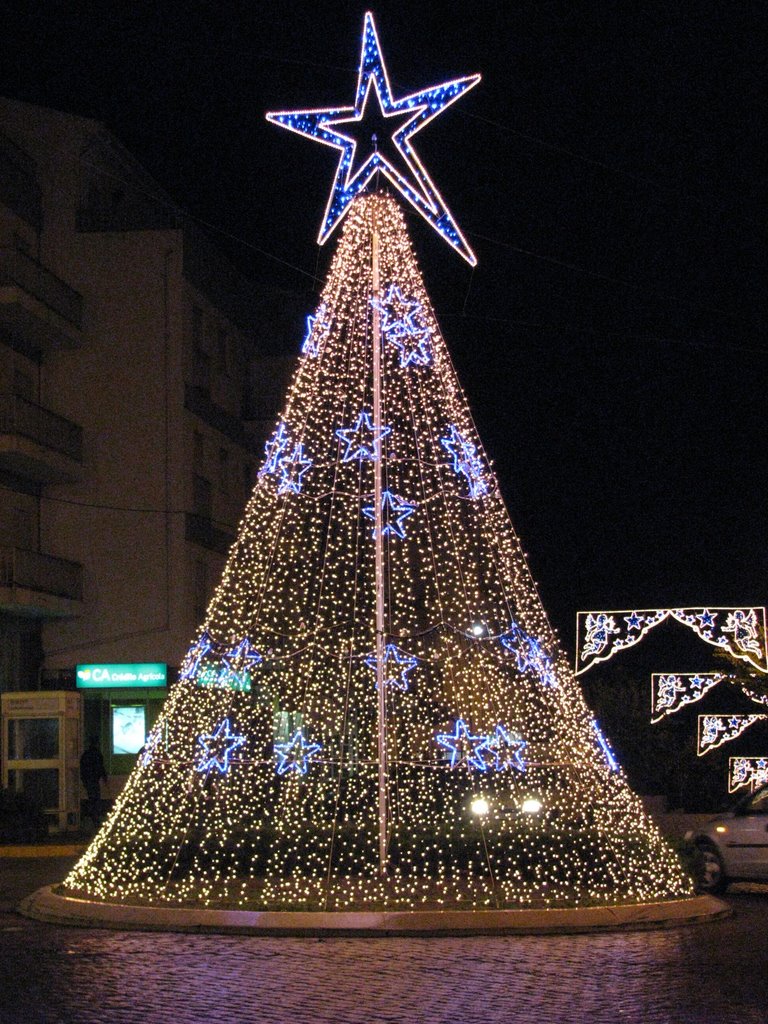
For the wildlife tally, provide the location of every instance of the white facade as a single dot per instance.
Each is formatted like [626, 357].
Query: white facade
[126, 345]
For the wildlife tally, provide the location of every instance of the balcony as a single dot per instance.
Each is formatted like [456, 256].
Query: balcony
[38, 445]
[39, 585]
[38, 311]
[200, 530]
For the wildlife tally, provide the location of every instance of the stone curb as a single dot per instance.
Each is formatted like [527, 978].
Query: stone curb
[45, 905]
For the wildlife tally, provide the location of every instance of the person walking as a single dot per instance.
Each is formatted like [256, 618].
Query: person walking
[92, 771]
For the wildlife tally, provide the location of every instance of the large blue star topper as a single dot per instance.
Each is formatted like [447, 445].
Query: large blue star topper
[392, 154]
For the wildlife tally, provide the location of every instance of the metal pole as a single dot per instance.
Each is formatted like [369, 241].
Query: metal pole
[379, 561]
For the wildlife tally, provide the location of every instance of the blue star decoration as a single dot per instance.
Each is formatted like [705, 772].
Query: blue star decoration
[195, 655]
[242, 656]
[529, 654]
[707, 618]
[610, 758]
[506, 751]
[292, 468]
[403, 324]
[633, 621]
[239, 662]
[466, 461]
[317, 329]
[464, 746]
[294, 754]
[391, 153]
[395, 510]
[216, 748]
[150, 747]
[363, 440]
[397, 665]
[274, 449]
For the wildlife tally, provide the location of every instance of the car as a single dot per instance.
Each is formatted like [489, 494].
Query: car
[732, 847]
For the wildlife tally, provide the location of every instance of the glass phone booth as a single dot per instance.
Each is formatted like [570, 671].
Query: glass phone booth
[41, 750]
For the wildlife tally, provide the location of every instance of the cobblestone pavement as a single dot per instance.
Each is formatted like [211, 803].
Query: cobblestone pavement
[708, 974]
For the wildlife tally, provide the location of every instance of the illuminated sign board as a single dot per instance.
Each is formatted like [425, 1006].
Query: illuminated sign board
[128, 725]
[99, 677]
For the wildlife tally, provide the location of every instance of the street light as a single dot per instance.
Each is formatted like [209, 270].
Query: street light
[479, 806]
[531, 805]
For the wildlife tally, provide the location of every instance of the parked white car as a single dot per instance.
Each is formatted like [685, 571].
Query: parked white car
[733, 847]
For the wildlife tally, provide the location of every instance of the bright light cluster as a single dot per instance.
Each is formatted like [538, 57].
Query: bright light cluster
[266, 797]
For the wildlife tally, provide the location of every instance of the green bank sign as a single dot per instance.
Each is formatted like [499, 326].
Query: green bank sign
[95, 677]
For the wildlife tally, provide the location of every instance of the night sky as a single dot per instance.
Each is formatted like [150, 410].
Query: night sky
[605, 171]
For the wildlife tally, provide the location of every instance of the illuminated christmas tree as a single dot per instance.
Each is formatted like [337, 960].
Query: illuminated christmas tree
[376, 711]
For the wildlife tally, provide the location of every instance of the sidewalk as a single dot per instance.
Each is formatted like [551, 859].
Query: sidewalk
[68, 844]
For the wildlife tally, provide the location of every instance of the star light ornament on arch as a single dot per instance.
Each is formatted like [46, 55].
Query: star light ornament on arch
[714, 730]
[294, 755]
[216, 748]
[747, 771]
[397, 159]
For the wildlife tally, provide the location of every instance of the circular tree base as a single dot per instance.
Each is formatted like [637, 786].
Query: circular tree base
[46, 905]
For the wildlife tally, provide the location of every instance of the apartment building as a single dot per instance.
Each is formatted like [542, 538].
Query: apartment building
[130, 433]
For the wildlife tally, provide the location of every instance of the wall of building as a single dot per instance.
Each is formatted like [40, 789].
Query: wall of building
[158, 385]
